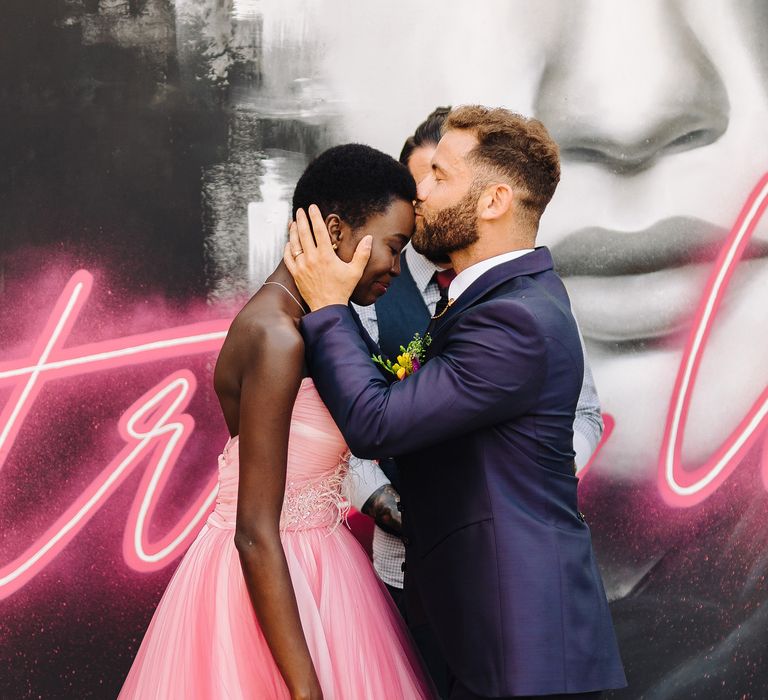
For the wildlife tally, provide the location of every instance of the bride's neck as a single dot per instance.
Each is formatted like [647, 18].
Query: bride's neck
[285, 278]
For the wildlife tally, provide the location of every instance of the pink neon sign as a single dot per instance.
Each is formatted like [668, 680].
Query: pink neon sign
[155, 427]
[677, 486]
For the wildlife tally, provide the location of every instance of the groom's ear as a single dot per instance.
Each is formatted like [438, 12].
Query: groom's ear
[496, 201]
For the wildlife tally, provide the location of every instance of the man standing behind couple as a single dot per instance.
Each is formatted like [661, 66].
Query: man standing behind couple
[497, 552]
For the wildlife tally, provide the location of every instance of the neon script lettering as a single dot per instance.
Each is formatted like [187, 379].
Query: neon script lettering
[686, 488]
[154, 429]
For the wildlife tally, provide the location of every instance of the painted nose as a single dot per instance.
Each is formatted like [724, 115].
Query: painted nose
[631, 85]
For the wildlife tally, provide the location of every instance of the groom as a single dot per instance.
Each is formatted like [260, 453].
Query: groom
[499, 559]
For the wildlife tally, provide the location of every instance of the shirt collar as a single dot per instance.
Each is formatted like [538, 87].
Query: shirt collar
[466, 277]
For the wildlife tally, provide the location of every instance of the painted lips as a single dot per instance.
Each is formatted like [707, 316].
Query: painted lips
[641, 285]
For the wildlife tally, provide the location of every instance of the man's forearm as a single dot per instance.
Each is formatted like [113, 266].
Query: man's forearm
[588, 424]
[452, 394]
[363, 479]
[383, 507]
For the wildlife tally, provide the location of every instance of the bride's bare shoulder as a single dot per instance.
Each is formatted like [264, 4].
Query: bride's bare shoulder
[265, 323]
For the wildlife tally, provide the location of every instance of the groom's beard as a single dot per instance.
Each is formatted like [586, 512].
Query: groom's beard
[447, 230]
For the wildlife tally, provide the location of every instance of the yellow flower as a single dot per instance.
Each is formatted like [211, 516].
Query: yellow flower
[400, 372]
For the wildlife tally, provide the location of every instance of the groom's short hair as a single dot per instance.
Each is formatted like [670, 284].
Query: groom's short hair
[354, 181]
[516, 148]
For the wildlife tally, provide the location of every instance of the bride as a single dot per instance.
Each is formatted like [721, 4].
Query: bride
[274, 599]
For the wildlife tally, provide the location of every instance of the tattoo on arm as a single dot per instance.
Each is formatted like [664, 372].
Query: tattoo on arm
[382, 506]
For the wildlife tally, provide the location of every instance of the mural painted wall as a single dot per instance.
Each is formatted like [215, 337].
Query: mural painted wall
[149, 149]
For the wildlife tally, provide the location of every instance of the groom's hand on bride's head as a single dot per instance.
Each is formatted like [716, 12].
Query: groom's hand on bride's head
[321, 276]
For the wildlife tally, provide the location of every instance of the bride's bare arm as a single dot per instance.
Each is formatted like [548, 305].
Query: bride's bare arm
[270, 383]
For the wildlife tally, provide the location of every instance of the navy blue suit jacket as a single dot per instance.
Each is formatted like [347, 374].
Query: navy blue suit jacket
[495, 545]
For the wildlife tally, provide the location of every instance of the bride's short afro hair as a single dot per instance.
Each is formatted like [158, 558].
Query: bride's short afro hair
[353, 181]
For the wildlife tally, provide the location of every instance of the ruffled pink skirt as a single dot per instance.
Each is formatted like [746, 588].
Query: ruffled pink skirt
[204, 640]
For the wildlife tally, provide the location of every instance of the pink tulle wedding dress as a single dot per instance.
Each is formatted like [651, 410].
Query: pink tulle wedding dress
[204, 640]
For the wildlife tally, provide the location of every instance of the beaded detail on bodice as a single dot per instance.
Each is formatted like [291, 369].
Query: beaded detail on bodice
[315, 503]
[317, 465]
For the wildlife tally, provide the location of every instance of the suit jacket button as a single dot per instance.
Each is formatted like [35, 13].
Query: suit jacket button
[399, 506]
[406, 541]
[402, 567]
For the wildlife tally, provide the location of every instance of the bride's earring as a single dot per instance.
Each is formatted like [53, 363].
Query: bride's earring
[335, 246]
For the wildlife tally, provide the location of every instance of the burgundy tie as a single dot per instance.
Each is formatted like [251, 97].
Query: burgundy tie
[443, 279]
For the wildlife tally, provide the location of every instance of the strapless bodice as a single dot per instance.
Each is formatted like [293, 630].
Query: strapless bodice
[316, 468]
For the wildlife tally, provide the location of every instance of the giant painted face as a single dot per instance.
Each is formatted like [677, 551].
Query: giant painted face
[661, 112]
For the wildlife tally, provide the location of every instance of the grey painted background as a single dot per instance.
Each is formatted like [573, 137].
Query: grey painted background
[158, 142]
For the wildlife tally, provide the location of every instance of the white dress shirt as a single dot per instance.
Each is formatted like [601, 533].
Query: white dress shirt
[465, 278]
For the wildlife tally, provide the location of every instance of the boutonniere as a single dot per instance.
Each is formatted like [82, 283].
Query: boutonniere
[410, 359]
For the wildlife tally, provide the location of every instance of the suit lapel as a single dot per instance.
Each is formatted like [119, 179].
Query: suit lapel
[529, 264]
